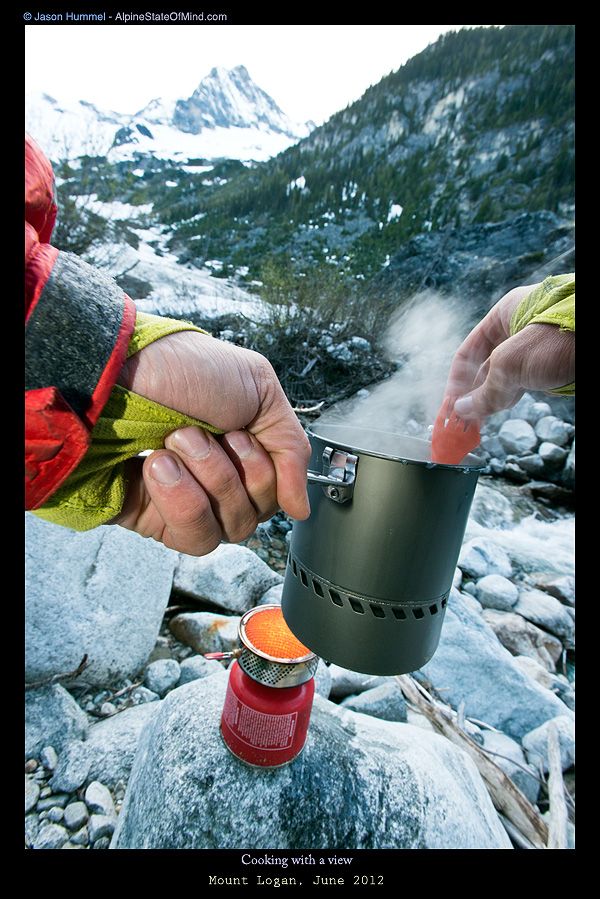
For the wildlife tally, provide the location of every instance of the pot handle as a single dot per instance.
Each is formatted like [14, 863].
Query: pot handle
[339, 473]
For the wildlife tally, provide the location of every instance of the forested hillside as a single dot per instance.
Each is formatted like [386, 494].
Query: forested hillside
[473, 129]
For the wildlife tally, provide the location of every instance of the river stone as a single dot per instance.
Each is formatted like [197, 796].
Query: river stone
[524, 638]
[385, 701]
[548, 613]
[232, 577]
[162, 675]
[102, 593]
[555, 430]
[360, 783]
[481, 556]
[107, 752]
[497, 592]
[535, 743]
[517, 436]
[470, 665]
[52, 718]
[206, 631]
[552, 456]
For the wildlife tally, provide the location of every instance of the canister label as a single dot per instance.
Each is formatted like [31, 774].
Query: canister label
[256, 728]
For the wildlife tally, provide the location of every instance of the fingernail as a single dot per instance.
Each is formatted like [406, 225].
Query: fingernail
[464, 406]
[192, 441]
[241, 443]
[165, 469]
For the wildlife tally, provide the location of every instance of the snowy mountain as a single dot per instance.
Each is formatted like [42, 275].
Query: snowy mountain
[227, 116]
[230, 98]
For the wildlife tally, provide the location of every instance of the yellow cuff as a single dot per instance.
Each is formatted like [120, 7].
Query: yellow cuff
[149, 328]
[552, 303]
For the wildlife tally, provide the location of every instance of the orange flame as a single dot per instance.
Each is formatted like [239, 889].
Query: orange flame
[267, 631]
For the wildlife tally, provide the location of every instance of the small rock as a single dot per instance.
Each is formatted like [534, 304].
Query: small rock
[52, 718]
[232, 577]
[560, 586]
[98, 799]
[532, 464]
[195, 667]
[496, 592]
[517, 436]
[347, 683]
[385, 701]
[49, 758]
[522, 637]
[51, 836]
[80, 837]
[48, 800]
[32, 792]
[555, 430]
[142, 694]
[535, 743]
[548, 613]
[162, 675]
[480, 557]
[55, 814]
[76, 815]
[552, 456]
[72, 769]
[537, 411]
[100, 826]
[509, 756]
[102, 842]
[206, 631]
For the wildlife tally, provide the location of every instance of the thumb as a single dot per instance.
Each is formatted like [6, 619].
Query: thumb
[292, 495]
[487, 399]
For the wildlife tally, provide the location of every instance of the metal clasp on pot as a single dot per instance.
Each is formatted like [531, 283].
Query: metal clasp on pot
[339, 472]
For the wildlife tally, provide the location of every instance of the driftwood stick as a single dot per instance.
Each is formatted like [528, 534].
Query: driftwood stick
[558, 814]
[309, 408]
[506, 796]
[58, 677]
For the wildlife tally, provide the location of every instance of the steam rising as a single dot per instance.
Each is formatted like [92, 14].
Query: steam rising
[422, 337]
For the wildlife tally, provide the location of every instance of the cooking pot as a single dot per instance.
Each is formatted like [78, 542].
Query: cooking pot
[369, 572]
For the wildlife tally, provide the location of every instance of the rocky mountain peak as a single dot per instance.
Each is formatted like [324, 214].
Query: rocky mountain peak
[229, 98]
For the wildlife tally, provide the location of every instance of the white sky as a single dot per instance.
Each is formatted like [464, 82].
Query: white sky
[311, 71]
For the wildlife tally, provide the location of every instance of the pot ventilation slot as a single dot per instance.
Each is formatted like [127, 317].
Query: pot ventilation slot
[360, 606]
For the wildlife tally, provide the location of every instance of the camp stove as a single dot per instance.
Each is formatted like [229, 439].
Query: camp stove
[270, 690]
[370, 571]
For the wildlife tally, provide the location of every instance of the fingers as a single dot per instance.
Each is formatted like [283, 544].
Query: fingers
[289, 450]
[466, 369]
[255, 470]
[193, 495]
[235, 475]
[178, 512]
[540, 357]
[207, 489]
[278, 430]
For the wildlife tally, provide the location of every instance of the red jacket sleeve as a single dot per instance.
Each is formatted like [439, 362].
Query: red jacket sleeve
[78, 324]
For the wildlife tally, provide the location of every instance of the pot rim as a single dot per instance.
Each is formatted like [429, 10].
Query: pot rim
[471, 462]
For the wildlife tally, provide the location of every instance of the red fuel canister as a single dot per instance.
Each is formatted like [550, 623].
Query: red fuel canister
[270, 691]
